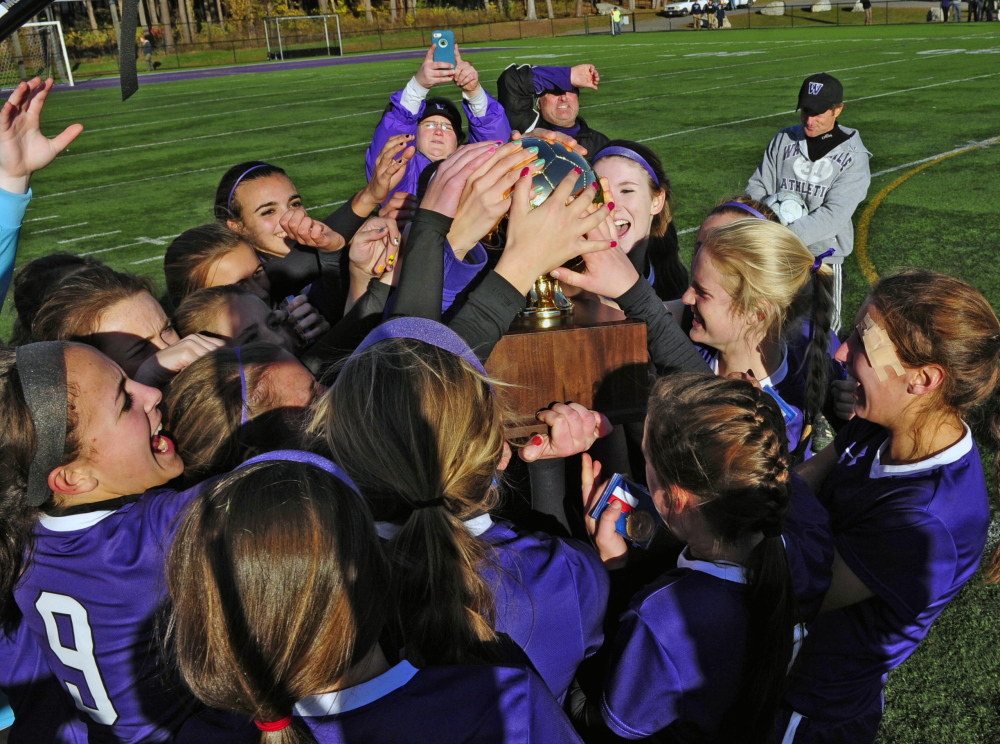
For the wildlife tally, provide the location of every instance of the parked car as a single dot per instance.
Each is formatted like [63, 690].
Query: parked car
[684, 8]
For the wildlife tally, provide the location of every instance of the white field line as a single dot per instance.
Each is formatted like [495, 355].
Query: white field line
[61, 227]
[39, 219]
[146, 260]
[197, 170]
[785, 113]
[105, 250]
[283, 125]
[87, 237]
[983, 143]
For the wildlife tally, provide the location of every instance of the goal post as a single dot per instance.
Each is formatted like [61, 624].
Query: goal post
[289, 37]
[35, 49]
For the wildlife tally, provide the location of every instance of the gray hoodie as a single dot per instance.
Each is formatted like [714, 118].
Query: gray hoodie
[832, 187]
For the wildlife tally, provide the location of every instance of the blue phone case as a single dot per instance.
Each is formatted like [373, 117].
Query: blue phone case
[639, 520]
[444, 46]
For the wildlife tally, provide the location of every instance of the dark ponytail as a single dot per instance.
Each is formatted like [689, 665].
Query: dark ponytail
[724, 441]
[817, 358]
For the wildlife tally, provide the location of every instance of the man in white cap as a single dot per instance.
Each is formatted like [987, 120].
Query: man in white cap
[815, 174]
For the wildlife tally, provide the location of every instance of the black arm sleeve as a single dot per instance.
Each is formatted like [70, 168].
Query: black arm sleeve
[344, 221]
[289, 274]
[516, 93]
[421, 283]
[487, 314]
[669, 347]
[350, 331]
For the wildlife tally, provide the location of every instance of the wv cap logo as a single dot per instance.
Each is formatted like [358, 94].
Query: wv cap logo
[815, 88]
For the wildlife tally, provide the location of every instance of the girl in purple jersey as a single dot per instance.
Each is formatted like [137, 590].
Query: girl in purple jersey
[701, 654]
[85, 524]
[414, 419]
[281, 593]
[904, 486]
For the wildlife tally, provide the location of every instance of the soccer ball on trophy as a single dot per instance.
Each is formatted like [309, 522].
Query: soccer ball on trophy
[546, 299]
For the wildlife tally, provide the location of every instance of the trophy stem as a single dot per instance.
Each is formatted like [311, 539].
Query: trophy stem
[546, 300]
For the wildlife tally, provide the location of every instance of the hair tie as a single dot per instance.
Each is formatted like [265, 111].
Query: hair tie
[819, 259]
[42, 369]
[244, 406]
[745, 208]
[232, 191]
[439, 501]
[631, 155]
[270, 726]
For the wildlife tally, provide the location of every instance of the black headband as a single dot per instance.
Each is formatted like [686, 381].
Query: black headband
[42, 369]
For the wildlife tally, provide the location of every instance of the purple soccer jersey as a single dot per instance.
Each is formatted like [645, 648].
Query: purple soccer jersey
[677, 658]
[440, 705]
[43, 712]
[808, 542]
[398, 120]
[92, 597]
[914, 534]
[551, 595]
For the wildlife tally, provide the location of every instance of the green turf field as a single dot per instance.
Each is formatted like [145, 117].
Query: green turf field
[709, 103]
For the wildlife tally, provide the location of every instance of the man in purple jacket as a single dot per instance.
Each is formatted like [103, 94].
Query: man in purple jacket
[436, 122]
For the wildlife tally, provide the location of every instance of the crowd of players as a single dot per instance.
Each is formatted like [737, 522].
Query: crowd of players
[278, 504]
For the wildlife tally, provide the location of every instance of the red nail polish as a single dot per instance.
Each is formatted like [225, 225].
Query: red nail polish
[611, 206]
[614, 243]
[524, 171]
[536, 440]
[577, 171]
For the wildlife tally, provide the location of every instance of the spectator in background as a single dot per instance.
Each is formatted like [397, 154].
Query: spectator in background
[819, 171]
[436, 123]
[696, 15]
[867, 5]
[616, 21]
[147, 51]
[549, 97]
[945, 10]
[956, 11]
[720, 15]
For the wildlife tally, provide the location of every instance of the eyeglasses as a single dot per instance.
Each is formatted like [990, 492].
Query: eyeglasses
[432, 125]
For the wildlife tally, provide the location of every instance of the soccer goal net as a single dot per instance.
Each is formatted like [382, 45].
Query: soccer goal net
[35, 49]
[291, 37]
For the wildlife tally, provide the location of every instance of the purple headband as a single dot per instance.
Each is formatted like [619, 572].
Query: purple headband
[232, 191]
[631, 155]
[819, 259]
[307, 458]
[245, 406]
[745, 208]
[428, 331]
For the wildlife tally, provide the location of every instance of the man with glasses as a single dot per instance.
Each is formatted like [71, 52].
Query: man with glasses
[815, 174]
[434, 123]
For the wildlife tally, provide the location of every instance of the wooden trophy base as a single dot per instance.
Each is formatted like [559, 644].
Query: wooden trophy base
[594, 356]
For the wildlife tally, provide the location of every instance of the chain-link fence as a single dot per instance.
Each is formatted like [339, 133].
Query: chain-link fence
[95, 53]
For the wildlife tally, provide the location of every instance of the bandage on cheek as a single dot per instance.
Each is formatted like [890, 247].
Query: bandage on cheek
[879, 348]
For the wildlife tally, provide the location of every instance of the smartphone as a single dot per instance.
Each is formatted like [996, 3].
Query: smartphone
[444, 46]
[639, 519]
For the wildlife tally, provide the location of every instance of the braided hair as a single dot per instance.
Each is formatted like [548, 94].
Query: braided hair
[724, 441]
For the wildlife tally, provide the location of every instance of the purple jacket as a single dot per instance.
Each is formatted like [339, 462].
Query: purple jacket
[398, 120]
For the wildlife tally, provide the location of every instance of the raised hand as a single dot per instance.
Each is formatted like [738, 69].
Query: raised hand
[401, 207]
[466, 76]
[431, 73]
[164, 364]
[303, 229]
[23, 147]
[486, 198]
[304, 319]
[584, 76]
[540, 239]
[389, 170]
[444, 192]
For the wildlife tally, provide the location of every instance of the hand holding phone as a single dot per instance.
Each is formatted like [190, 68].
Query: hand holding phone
[444, 46]
[433, 71]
